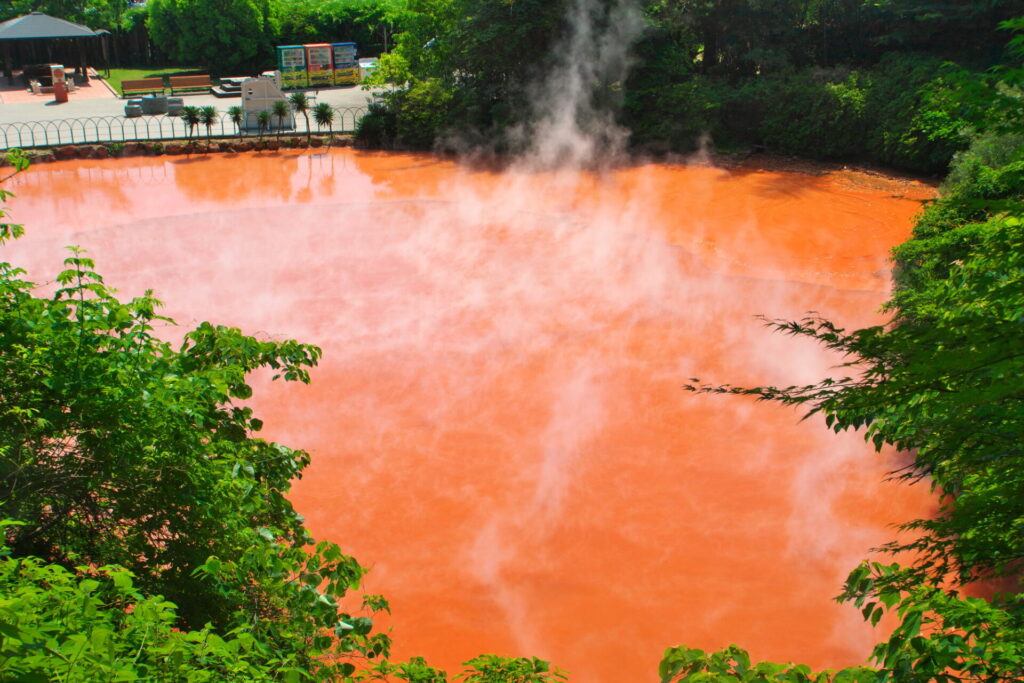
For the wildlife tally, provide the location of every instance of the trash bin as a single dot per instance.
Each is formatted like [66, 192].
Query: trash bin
[60, 91]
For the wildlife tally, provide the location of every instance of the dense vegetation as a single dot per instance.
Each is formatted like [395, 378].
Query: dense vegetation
[831, 79]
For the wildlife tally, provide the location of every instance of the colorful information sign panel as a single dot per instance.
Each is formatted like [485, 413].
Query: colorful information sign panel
[319, 64]
[346, 67]
[291, 62]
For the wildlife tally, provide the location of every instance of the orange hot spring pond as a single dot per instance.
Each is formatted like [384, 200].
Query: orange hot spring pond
[498, 427]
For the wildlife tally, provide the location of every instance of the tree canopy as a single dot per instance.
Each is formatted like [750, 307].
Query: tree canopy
[222, 35]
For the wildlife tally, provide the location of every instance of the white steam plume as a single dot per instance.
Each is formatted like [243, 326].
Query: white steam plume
[574, 106]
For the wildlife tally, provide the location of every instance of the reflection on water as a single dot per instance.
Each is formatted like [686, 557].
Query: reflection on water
[498, 427]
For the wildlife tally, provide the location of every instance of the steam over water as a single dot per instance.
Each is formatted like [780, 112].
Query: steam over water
[498, 427]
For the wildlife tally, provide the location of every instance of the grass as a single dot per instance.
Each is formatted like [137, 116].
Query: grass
[119, 75]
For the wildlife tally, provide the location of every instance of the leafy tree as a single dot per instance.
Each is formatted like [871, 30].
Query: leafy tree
[93, 13]
[941, 635]
[369, 23]
[459, 64]
[224, 35]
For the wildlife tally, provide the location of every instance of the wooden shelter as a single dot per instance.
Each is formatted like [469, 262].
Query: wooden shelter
[39, 37]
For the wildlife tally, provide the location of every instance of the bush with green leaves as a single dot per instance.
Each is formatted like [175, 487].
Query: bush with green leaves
[897, 112]
[413, 117]
[222, 35]
[733, 665]
[496, 669]
[915, 121]
[93, 624]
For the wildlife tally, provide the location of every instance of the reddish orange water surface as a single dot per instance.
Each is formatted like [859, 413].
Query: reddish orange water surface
[498, 427]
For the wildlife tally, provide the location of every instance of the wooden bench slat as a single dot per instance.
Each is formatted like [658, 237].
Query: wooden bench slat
[142, 85]
[189, 82]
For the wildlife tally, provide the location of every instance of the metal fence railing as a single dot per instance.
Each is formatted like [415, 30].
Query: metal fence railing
[99, 129]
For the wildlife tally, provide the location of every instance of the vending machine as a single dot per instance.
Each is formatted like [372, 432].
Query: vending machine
[319, 64]
[291, 62]
[346, 66]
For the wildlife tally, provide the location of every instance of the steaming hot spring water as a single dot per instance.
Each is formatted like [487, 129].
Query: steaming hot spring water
[498, 426]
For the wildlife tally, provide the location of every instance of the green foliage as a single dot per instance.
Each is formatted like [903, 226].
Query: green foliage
[369, 23]
[941, 636]
[416, 670]
[191, 116]
[95, 625]
[281, 110]
[223, 35]
[897, 113]
[300, 104]
[19, 161]
[237, 116]
[830, 109]
[733, 665]
[667, 106]
[263, 122]
[421, 113]
[413, 117]
[497, 669]
[207, 117]
[915, 124]
[93, 13]
[378, 127]
[459, 64]
[323, 114]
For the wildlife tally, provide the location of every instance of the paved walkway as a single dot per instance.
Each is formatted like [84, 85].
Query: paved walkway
[43, 108]
[16, 94]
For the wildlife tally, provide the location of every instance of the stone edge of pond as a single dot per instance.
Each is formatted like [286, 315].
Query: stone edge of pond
[228, 145]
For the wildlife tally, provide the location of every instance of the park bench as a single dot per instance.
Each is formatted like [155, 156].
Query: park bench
[142, 85]
[184, 83]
